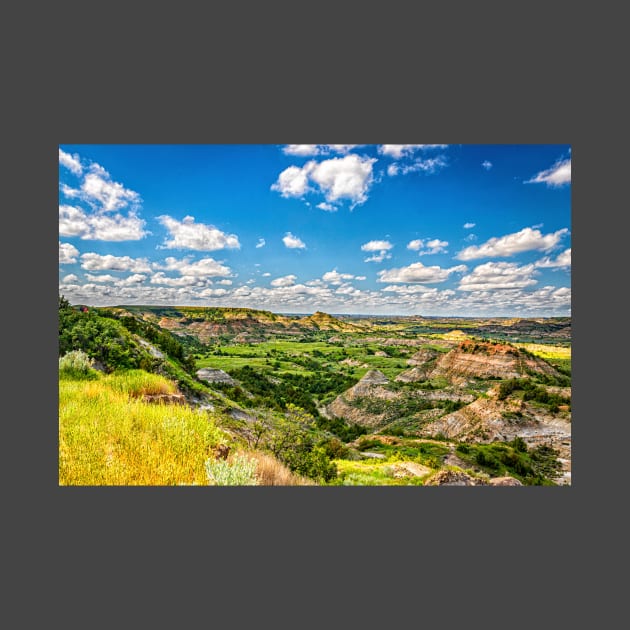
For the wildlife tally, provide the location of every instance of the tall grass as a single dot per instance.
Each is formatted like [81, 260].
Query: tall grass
[108, 436]
[271, 472]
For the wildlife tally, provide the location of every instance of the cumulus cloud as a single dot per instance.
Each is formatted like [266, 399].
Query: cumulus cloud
[469, 226]
[67, 253]
[185, 280]
[293, 242]
[526, 240]
[498, 275]
[487, 165]
[70, 278]
[417, 272]
[434, 246]
[428, 165]
[335, 278]
[397, 151]
[213, 293]
[74, 221]
[284, 281]
[104, 194]
[128, 281]
[293, 181]
[186, 234]
[225, 282]
[302, 150]
[382, 247]
[409, 289]
[326, 206]
[261, 243]
[562, 260]
[558, 175]
[205, 267]
[71, 162]
[98, 262]
[348, 177]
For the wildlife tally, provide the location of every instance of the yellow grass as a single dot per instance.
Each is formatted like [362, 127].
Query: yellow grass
[108, 436]
[545, 351]
[271, 472]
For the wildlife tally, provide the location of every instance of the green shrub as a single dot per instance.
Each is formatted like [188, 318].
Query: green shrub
[239, 471]
[76, 364]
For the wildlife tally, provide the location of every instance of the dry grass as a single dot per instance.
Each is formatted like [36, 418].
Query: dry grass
[271, 472]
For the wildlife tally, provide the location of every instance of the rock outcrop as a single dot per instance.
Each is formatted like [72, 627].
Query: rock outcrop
[488, 360]
[452, 478]
[211, 375]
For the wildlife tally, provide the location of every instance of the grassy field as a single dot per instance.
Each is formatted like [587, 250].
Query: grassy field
[559, 356]
[109, 436]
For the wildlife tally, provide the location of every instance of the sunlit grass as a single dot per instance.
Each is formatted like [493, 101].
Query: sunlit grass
[545, 351]
[109, 436]
[364, 473]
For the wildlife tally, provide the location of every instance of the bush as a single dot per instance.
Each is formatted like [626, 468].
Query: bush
[238, 471]
[76, 364]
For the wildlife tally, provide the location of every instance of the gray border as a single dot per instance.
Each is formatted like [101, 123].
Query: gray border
[363, 75]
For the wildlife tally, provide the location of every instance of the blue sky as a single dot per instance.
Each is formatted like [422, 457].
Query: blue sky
[460, 230]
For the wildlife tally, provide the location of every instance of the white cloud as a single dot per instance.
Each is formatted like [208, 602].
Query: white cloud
[284, 281]
[74, 221]
[213, 293]
[225, 282]
[471, 237]
[525, 240]
[110, 195]
[205, 267]
[398, 151]
[98, 262]
[71, 162]
[376, 246]
[185, 280]
[341, 148]
[292, 182]
[70, 278]
[428, 165]
[380, 257]
[417, 272]
[562, 260]
[187, 234]
[487, 165]
[293, 242]
[498, 275]
[266, 274]
[434, 246]
[558, 175]
[469, 226]
[261, 243]
[349, 177]
[336, 278]
[409, 289]
[326, 206]
[129, 281]
[67, 253]
[301, 149]
[382, 247]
